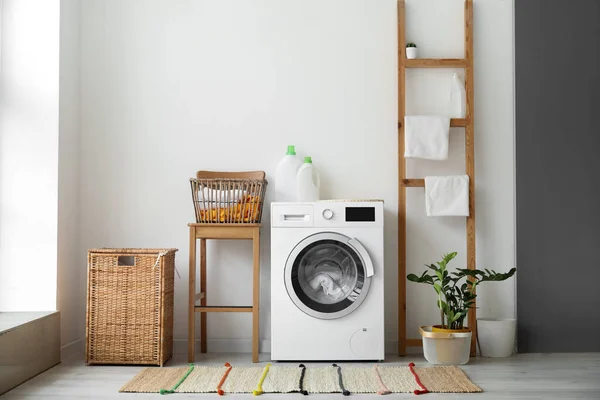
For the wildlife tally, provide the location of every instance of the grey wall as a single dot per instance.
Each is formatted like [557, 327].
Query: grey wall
[558, 174]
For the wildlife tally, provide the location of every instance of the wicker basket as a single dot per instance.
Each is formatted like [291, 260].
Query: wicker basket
[129, 317]
[228, 200]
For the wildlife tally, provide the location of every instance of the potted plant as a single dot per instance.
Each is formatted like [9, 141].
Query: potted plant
[456, 294]
[411, 51]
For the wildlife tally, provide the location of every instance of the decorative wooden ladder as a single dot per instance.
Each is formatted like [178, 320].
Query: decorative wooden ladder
[403, 182]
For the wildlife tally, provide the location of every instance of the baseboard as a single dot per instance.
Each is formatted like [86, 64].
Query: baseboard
[224, 346]
[391, 347]
[245, 346]
[75, 348]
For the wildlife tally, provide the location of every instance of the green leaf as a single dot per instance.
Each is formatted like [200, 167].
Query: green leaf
[437, 288]
[424, 278]
[431, 266]
[442, 305]
[449, 257]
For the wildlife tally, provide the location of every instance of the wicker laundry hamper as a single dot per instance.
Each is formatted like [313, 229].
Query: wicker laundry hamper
[129, 318]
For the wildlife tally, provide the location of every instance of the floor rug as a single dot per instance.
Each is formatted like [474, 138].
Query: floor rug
[378, 379]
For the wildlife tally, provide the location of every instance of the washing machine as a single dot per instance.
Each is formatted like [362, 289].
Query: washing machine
[327, 281]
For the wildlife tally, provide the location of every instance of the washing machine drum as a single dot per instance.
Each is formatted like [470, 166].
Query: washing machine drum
[327, 275]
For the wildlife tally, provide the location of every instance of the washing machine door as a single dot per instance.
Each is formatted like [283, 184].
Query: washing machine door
[327, 275]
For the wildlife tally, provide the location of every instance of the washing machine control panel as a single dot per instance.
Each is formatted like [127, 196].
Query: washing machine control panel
[346, 214]
[327, 214]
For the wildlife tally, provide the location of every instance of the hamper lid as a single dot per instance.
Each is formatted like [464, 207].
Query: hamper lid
[131, 251]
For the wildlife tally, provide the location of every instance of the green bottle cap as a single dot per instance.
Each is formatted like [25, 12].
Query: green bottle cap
[291, 151]
[307, 160]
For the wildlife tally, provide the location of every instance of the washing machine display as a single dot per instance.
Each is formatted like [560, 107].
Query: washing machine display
[327, 275]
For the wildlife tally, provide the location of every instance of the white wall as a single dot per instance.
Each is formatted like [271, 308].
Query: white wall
[71, 258]
[170, 87]
[29, 87]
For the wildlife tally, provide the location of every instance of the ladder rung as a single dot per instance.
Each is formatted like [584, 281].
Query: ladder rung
[459, 122]
[222, 309]
[454, 123]
[436, 63]
[413, 182]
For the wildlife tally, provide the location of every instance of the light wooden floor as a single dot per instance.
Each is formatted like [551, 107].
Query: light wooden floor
[526, 376]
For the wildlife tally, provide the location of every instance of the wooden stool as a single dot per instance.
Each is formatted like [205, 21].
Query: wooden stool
[220, 231]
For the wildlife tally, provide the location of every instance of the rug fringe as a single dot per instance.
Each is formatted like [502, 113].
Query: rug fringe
[223, 378]
[259, 390]
[423, 388]
[183, 378]
[382, 388]
[301, 383]
[341, 380]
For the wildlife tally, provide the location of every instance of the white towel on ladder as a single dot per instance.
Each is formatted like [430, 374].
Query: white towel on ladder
[447, 196]
[426, 136]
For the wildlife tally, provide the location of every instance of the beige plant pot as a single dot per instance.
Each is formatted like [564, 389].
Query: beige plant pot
[446, 347]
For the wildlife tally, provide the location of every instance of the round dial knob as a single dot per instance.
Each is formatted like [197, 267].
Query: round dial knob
[327, 213]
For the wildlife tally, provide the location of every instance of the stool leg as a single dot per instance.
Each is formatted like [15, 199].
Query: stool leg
[256, 292]
[203, 290]
[192, 297]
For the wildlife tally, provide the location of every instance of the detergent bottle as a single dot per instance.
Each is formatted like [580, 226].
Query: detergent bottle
[285, 176]
[308, 182]
[458, 98]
